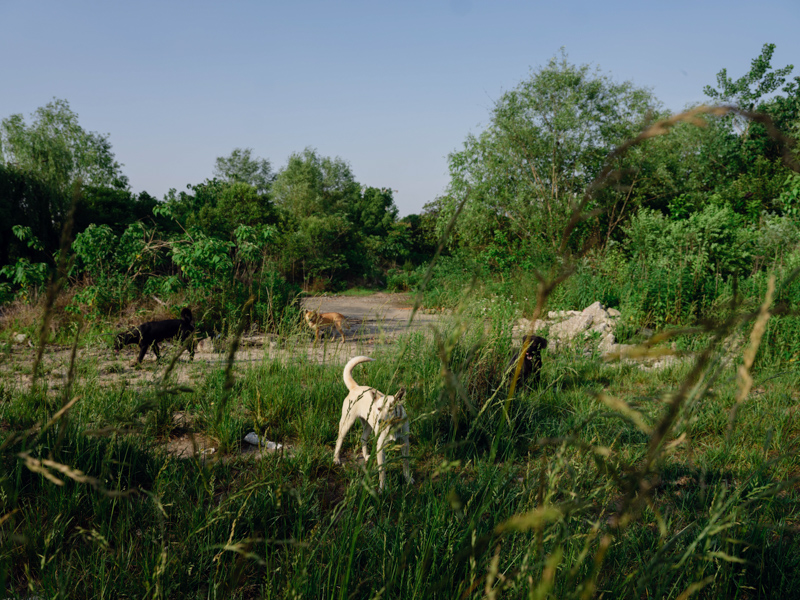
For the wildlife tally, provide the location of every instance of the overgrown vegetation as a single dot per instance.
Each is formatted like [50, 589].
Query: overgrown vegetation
[604, 481]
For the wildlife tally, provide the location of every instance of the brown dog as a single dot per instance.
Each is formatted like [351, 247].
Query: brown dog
[317, 320]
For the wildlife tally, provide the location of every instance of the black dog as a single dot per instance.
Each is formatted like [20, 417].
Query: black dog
[151, 333]
[532, 345]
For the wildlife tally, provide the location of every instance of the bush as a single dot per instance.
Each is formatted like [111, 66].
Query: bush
[715, 241]
[403, 280]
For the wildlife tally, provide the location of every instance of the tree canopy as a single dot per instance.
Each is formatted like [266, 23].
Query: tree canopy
[58, 150]
[241, 167]
[546, 140]
[313, 185]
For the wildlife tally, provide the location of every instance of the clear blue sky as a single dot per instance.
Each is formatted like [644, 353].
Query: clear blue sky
[391, 87]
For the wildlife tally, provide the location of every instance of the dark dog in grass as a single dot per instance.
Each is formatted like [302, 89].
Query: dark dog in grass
[153, 332]
[532, 346]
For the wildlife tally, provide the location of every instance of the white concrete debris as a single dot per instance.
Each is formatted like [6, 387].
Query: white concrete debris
[593, 325]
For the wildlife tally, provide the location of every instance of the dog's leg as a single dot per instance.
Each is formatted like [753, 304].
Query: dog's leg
[345, 423]
[142, 352]
[382, 438]
[364, 441]
[339, 329]
[406, 450]
[156, 351]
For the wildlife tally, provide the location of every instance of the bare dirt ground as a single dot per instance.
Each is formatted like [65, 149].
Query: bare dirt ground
[373, 321]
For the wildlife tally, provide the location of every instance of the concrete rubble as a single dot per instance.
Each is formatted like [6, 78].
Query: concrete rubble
[593, 327]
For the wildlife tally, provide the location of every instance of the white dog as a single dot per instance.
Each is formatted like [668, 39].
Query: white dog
[382, 414]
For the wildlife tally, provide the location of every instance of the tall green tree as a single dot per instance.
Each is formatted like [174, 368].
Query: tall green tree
[58, 150]
[235, 204]
[219, 207]
[374, 212]
[241, 167]
[545, 141]
[313, 185]
[752, 88]
[764, 89]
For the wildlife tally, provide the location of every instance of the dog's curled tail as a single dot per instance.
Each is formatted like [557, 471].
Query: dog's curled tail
[348, 368]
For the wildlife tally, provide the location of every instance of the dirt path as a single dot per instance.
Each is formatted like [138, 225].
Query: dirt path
[374, 320]
[374, 316]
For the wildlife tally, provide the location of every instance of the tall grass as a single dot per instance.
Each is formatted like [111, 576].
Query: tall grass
[542, 511]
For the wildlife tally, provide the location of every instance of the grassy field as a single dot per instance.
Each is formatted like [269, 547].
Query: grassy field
[604, 481]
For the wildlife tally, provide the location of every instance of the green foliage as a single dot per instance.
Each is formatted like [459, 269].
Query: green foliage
[775, 241]
[94, 249]
[204, 261]
[26, 202]
[27, 275]
[108, 268]
[318, 247]
[749, 90]
[116, 208]
[373, 212]
[254, 244]
[218, 207]
[108, 294]
[312, 186]
[235, 204]
[275, 306]
[134, 254]
[241, 167]
[26, 235]
[713, 241]
[403, 280]
[602, 277]
[422, 233]
[789, 198]
[58, 150]
[396, 245]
